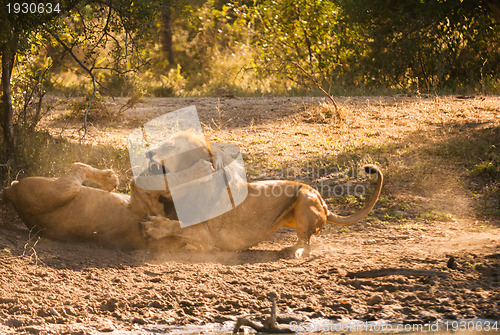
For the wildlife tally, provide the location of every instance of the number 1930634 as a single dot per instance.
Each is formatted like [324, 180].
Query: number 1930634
[33, 8]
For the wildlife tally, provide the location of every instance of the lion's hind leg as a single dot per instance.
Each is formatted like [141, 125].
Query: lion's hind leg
[38, 195]
[310, 218]
[65, 188]
[82, 172]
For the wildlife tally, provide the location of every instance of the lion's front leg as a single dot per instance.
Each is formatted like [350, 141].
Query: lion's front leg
[157, 227]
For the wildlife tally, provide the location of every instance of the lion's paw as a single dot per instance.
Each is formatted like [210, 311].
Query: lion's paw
[296, 251]
[148, 230]
[109, 180]
[300, 252]
[156, 227]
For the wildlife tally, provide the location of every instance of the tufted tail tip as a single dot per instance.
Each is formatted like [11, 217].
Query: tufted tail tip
[371, 169]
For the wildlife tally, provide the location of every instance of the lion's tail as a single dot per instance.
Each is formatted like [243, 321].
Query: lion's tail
[363, 212]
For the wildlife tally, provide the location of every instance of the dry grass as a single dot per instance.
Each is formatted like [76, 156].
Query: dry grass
[439, 154]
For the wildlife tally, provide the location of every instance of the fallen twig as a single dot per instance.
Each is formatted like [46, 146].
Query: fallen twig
[268, 326]
[396, 272]
[29, 248]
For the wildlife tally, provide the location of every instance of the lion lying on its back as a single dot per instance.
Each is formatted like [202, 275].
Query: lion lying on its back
[64, 209]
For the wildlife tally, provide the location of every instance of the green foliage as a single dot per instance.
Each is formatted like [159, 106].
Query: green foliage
[106, 38]
[488, 169]
[435, 215]
[210, 37]
[172, 83]
[28, 84]
[95, 39]
[118, 84]
[407, 45]
[426, 45]
[308, 33]
[258, 46]
[477, 150]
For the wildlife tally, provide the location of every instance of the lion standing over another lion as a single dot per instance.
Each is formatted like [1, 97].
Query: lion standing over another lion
[64, 209]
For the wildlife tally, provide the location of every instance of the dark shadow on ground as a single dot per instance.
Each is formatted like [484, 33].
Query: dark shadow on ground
[16, 240]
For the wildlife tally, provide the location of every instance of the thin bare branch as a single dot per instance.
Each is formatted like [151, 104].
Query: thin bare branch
[269, 325]
[85, 68]
[328, 95]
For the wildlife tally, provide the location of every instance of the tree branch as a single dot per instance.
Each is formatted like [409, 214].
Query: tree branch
[84, 67]
[268, 326]
[328, 95]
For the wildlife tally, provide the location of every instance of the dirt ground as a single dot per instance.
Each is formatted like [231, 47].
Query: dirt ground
[54, 287]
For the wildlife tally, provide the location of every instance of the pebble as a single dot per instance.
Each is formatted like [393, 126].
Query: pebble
[14, 323]
[376, 299]
[427, 316]
[451, 264]
[54, 312]
[106, 328]
[139, 321]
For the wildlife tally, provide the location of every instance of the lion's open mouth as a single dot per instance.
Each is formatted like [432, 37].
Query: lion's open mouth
[156, 168]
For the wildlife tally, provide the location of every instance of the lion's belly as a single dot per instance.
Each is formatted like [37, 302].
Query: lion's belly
[255, 219]
[95, 215]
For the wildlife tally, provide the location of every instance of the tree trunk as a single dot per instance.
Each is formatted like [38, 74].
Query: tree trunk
[7, 109]
[166, 33]
[8, 49]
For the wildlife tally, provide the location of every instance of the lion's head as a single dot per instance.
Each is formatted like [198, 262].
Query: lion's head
[183, 158]
[178, 153]
[202, 181]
